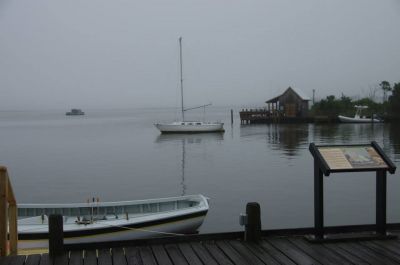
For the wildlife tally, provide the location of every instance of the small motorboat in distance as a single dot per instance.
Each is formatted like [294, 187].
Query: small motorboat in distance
[358, 118]
[74, 112]
[112, 221]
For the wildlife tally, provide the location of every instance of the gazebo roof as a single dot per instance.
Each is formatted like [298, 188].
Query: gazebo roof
[297, 91]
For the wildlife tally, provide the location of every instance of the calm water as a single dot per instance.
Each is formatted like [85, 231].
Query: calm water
[120, 155]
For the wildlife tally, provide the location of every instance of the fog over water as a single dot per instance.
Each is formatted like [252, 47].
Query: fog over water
[119, 62]
[124, 54]
[120, 155]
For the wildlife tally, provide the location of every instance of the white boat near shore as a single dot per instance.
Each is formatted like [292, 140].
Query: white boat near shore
[358, 118]
[112, 221]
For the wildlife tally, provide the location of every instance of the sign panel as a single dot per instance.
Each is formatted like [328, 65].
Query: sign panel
[351, 157]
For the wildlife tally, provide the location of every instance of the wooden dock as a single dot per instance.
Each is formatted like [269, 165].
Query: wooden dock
[229, 250]
[256, 116]
[354, 244]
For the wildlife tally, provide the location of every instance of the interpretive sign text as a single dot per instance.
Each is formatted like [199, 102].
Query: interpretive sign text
[351, 157]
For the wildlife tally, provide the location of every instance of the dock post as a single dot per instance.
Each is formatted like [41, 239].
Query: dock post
[3, 212]
[231, 116]
[253, 226]
[56, 235]
[8, 216]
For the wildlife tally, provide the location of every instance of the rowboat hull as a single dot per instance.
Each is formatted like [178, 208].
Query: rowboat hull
[33, 231]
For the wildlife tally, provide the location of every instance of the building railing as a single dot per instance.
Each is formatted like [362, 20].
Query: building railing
[8, 216]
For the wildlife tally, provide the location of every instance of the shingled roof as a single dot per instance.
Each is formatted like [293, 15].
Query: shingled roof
[297, 91]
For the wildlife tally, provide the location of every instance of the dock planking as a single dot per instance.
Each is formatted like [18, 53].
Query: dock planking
[289, 250]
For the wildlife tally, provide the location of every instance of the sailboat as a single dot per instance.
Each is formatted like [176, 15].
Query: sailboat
[185, 126]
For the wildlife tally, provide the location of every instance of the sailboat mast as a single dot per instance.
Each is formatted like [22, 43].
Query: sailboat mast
[180, 62]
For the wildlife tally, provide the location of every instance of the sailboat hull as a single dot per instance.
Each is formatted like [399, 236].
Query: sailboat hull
[190, 127]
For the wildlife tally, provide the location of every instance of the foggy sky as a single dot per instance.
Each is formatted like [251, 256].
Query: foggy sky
[124, 53]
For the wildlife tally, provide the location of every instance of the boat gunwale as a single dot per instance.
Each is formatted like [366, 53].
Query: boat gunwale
[88, 231]
[200, 198]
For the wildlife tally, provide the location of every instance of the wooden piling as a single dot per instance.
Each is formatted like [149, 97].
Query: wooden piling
[8, 215]
[12, 220]
[56, 235]
[231, 116]
[3, 211]
[253, 226]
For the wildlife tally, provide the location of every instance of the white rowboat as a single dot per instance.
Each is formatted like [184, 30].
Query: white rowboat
[112, 221]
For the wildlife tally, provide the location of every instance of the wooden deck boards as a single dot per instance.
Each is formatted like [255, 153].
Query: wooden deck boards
[270, 250]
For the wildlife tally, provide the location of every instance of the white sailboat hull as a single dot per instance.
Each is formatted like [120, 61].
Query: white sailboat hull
[190, 127]
[141, 219]
[357, 120]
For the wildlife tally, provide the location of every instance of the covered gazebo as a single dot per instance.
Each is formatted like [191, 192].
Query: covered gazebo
[291, 103]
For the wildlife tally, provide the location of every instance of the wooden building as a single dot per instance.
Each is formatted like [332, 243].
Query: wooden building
[291, 104]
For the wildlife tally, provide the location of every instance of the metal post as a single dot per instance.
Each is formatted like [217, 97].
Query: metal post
[381, 202]
[231, 116]
[318, 201]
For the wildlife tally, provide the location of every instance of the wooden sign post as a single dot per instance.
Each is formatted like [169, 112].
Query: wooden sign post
[349, 158]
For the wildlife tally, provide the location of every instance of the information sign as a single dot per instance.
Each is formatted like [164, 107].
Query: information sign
[352, 157]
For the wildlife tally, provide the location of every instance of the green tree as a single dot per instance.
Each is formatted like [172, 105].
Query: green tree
[385, 86]
[345, 106]
[373, 107]
[332, 106]
[394, 101]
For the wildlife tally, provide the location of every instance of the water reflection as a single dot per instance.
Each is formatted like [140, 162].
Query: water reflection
[288, 138]
[188, 139]
[394, 138]
[383, 134]
[347, 133]
[325, 132]
[291, 138]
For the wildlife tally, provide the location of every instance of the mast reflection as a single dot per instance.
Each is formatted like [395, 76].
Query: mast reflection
[188, 139]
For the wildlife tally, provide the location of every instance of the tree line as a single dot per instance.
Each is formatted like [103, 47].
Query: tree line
[388, 108]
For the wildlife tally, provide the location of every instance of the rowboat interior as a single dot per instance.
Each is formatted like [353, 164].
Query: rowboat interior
[86, 213]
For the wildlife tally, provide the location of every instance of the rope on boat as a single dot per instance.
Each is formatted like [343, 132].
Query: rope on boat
[123, 227]
[147, 230]
[43, 217]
